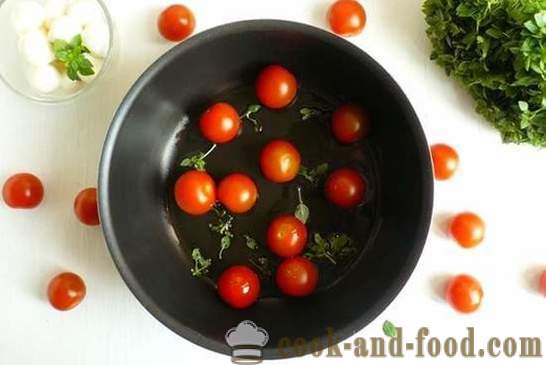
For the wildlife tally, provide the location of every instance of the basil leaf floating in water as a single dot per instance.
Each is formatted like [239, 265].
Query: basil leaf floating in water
[197, 160]
[201, 265]
[249, 115]
[302, 210]
[222, 227]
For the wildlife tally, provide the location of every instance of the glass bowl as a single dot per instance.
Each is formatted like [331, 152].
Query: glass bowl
[15, 70]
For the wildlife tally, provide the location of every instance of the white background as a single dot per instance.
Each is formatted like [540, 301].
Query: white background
[61, 144]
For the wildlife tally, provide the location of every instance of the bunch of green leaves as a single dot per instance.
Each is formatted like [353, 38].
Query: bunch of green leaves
[249, 113]
[201, 265]
[335, 247]
[302, 211]
[497, 50]
[72, 56]
[314, 175]
[223, 227]
[197, 160]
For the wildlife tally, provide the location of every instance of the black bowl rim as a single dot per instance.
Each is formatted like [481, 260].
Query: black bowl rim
[236, 27]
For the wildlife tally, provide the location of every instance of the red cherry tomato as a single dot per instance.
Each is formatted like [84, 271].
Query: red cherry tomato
[468, 229]
[23, 191]
[238, 193]
[276, 87]
[195, 192]
[350, 123]
[346, 17]
[297, 276]
[345, 188]
[280, 161]
[65, 291]
[286, 236]
[85, 207]
[542, 283]
[176, 23]
[220, 123]
[239, 286]
[464, 293]
[445, 160]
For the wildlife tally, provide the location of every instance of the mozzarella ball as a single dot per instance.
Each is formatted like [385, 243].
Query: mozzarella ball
[65, 28]
[97, 65]
[54, 9]
[85, 11]
[96, 37]
[27, 15]
[35, 48]
[45, 79]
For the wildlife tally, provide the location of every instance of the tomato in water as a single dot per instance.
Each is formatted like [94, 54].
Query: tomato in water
[238, 193]
[464, 293]
[350, 123]
[23, 191]
[220, 123]
[286, 236]
[280, 161]
[347, 17]
[276, 87]
[445, 161]
[195, 192]
[176, 23]
[468, 229]
[345, 188]
[66, 291]
[85, 207]
[239, 286]
[297, 276]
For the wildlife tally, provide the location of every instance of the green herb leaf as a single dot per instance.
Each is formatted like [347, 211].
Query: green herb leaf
[334, 248]
[314, 175]
[302, 211]
[249, 115]
[197, 160]
[72, 56]
[201, 265]
[309, 113]
[251, 242]
[222, 227]
[389, 329]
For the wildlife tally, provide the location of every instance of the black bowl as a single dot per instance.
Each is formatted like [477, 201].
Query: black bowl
[150, 239]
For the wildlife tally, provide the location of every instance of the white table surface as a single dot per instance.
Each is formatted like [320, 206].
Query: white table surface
[62, 144]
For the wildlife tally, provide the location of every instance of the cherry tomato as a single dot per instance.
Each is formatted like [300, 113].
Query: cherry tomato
[276, 87]
[286, 236]
[238, 193]
[220, 123]
[542, 283]
[445, 160]
[23, 191]
[85, 207]
[345, 188]
[65, 291]
[195, 192]
[239, 286]
[280, 161]
[468, 229]
[464, 293]
[176, 23]
[346, 17]
[297, 276]
[350, 123]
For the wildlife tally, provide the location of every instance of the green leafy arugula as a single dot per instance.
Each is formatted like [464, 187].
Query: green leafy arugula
[201, 265]
[314, 175]
[72, 56]
[223, 227]
[497, 50]
[335, 247]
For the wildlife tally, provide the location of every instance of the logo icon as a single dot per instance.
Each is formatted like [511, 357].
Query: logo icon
[246, 342]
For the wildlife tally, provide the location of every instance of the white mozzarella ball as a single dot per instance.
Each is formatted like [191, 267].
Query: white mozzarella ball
[27, 15]
[97, 65]
[65, 28]
[86, 11]
[35, 48]
[54, 9]
[45, 79]
[96, 37]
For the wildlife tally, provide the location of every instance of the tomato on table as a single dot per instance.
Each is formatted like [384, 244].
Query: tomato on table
[468, 229]
[445, 161]
[350, 123]
[65, 291]
[280, 161]
[286, 236]
[347, 17]
[239, 286]
[276, 87]
[297, 276]
[238, 193]
[345, 187]
[220, 123]
[464, 293]
[85, 207]
[195, 192]
[176, 23]
[24, 191]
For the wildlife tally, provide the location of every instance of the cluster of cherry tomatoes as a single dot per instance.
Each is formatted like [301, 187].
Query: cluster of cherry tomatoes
[196, 192]
[26, 191]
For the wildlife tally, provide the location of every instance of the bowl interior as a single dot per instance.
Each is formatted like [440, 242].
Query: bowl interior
[155, 126]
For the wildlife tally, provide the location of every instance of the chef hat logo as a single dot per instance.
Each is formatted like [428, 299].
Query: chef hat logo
[246, 341]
